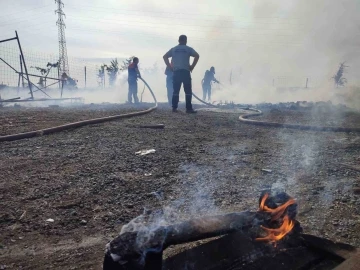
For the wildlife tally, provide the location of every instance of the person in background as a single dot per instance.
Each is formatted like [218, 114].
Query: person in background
[169, 83]
[133, 74]
[181, 67]
[206, 82]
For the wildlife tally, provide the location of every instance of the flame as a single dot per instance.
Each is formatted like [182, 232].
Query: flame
[276, 234]
[287, 225]
[277, 212]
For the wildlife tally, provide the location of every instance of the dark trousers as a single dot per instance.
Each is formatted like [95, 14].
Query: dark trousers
[182, 76]
[206, 91]
[170, 88]
[133, 90]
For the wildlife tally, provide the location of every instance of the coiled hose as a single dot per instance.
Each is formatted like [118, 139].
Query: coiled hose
[50, 130]
[243, 118]
[256, 112]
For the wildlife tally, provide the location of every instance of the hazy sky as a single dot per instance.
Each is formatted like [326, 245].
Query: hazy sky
[262, 38]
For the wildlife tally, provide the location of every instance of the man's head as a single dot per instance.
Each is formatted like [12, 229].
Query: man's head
[212, 69]
[135, 60]
[182, 40]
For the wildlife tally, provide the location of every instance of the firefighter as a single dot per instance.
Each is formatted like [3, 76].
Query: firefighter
[206, 82]
[181, 67]
[133, 75]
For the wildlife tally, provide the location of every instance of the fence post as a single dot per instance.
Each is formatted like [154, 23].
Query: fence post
[27, 74]
[21, 69]
[85, 75]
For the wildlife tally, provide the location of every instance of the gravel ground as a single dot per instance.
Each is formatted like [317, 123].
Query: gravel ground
[90, 182]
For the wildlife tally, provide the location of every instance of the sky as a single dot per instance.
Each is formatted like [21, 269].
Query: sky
[258, 41]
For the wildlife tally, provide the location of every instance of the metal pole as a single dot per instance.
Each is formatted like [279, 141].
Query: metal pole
[59, 75]
[85, 75]
[9, 39]
[26, 71]
[62, 88]
[307, 80]
[18, 88]
[38, 76]
[21, 69]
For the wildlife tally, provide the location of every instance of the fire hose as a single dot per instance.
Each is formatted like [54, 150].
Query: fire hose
[255, 112]
[68, 126]
[243, 118]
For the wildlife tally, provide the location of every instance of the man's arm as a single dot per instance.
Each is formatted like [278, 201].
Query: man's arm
[166, 59]
[196, 59]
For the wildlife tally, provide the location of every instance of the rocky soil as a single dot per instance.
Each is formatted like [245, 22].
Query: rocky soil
[65, 195]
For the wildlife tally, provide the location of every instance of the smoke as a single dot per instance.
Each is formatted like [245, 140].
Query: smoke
[291, 39]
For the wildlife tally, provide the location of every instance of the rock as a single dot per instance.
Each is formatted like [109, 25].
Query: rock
[356, 190]
[50, 220]
[83, 222]
[22, 216]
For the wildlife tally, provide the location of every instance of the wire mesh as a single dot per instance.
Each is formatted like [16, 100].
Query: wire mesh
[9, 51]
[35, 61]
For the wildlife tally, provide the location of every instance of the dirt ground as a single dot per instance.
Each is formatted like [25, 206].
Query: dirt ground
[90, 182]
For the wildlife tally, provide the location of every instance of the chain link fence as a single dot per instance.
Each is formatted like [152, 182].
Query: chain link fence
[83, 72]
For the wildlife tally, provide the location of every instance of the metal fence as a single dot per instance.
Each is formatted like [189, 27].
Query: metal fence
[84, 72]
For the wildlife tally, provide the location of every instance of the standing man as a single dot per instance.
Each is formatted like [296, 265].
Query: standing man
[133, 74]
[206, 83]
[169, 83]
[180, 55]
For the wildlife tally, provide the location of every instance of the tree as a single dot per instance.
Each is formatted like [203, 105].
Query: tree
[113, 71]
[338, 77]
[101, 75]
[126, 63]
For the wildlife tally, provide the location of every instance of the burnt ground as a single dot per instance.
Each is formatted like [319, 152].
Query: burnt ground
[90, 182]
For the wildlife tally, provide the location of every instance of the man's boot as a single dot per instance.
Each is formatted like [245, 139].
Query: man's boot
[190, 111]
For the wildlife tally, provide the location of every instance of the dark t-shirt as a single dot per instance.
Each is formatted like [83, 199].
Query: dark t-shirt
[132, 74]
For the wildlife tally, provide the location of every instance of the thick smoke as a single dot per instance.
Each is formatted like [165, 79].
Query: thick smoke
[282, 45]
[302, 39]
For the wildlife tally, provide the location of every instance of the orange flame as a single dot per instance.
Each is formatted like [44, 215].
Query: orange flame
[276, 234]
[287, 225]
[277, 212]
